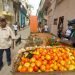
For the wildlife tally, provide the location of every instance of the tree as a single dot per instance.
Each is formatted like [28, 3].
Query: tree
[41, 16]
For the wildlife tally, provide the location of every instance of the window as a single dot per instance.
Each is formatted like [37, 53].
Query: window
[55, 21]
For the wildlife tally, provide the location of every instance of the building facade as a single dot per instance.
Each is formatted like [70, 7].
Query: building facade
[42, 12]
[64, 8]
[23, 13]
[6, 9]
[1, 7]
[15, 11]
[16, 6]
[58, 13]
[22, 16]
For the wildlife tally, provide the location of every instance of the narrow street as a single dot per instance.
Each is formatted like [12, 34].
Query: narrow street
[41, 36]
[6, 70]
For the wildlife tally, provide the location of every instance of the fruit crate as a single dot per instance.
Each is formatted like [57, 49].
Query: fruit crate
[15, 64]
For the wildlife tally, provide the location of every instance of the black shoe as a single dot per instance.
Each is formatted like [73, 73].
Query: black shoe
[9, 63]
[1, 67]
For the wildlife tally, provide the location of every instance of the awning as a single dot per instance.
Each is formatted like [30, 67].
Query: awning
[7, 13]
[9, 16]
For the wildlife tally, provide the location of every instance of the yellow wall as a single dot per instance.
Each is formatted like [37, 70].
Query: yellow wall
[1, 7]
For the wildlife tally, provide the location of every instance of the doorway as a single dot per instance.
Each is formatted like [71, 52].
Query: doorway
[60, 26]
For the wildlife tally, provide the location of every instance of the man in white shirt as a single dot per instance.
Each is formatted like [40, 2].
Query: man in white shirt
[46, 28]
[15, 26]
[6, 36]
[68, 32]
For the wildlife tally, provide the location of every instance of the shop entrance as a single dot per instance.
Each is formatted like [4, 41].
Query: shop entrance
[60, 26]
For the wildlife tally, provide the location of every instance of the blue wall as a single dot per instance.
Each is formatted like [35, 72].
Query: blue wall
[22, 16]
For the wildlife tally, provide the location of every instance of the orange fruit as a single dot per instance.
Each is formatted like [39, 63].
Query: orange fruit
[27, 64]
[19, 68]
[48, 57]
[38, 63]
[51, 69]
[39, 55]
[43, 68]
[66, 66]
[62, 62]
[23, 69]
[36, 57]
[47, 67]
[42, 57]
[56, 58]
[23, 59]
[32, 59]
[32, 64]
[44, 62]
[35, 68]
[50, 62]
[30, 69]
[43, 53]
[55, 67]
[73, 62]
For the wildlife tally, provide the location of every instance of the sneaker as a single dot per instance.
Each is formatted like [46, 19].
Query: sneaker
[1, 67]
[9, 63]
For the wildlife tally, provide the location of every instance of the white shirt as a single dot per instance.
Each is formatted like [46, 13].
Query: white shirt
[5, 40]
[15, 27]
[46, 28]
[68, 32]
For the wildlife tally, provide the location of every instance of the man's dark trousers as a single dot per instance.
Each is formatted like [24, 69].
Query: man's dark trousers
[8, 55]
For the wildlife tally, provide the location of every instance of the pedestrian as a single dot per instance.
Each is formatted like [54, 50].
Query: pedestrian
[40, 28]
[68, 32]
[15, 26]
[46, 28]
[6, 36]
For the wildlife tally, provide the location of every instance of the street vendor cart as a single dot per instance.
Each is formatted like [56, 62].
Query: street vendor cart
[40, 59]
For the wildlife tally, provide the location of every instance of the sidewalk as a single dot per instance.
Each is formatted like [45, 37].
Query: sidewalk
[24, 34]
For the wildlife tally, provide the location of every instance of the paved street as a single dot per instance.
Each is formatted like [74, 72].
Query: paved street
[6, 69]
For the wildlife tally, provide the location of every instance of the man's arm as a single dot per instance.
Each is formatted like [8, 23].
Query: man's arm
[12, 37]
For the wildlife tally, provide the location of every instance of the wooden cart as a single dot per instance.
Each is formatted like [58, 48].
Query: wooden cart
[45, 73]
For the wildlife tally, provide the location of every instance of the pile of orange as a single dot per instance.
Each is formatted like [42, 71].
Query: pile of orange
[48, 59]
